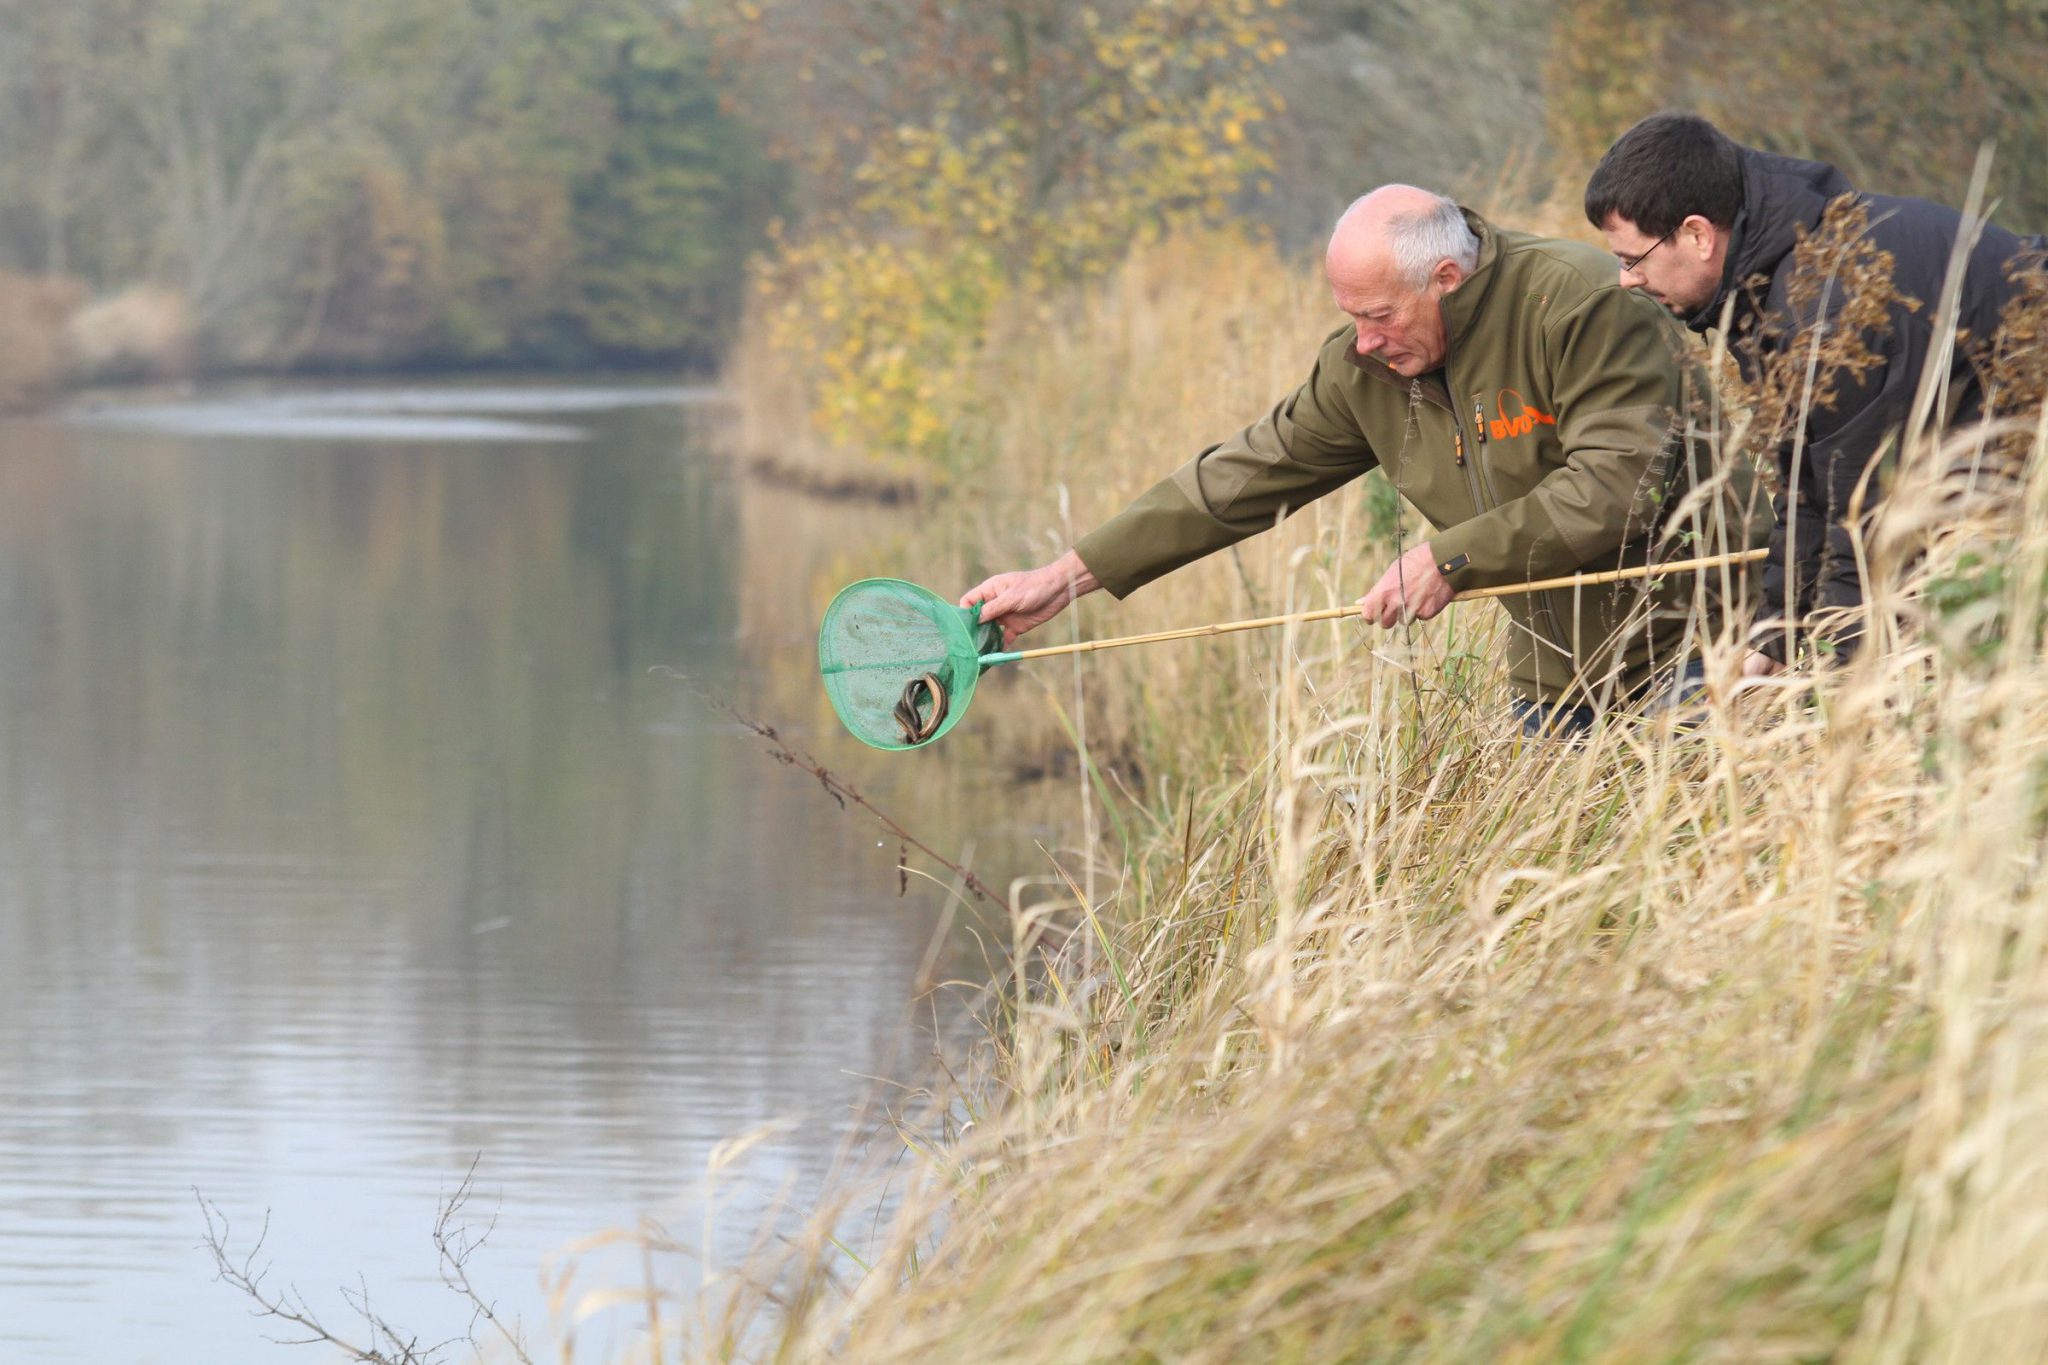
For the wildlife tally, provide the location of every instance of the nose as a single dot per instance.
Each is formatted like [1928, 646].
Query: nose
[1370, 339]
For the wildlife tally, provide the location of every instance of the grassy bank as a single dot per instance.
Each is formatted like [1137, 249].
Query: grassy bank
[1348, 1026]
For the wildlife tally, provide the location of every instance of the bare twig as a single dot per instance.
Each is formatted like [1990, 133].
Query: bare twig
[840, 790]
[407, 1347]
[287, 1305]
[456, 1244]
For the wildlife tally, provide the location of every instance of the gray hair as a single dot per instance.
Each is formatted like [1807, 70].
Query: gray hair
[1420, 240]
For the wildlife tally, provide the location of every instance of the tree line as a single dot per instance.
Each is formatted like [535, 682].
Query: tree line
[382, 182]
[558, 182]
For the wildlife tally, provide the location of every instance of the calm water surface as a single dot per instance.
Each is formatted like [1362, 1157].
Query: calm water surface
[346, 839]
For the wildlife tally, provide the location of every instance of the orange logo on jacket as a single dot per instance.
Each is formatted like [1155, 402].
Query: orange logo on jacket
[1525, 420]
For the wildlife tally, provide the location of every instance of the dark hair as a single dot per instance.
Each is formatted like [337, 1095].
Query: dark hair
[1661, 171]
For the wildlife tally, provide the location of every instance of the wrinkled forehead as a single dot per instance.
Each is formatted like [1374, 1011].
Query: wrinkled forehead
[1364, 274]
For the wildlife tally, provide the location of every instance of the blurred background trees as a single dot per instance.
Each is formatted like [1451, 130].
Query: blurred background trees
[384, 182]
[959, 165]
[1899, 94]
[293, 183]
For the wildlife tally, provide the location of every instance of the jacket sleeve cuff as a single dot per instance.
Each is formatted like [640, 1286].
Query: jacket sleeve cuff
[1478, 553]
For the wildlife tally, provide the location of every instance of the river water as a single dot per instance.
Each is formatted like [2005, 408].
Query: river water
[349, 839]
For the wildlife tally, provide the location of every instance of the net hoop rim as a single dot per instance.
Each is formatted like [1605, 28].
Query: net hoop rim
[954, 627]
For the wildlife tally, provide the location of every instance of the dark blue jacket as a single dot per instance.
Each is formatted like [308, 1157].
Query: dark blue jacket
[1782, 195]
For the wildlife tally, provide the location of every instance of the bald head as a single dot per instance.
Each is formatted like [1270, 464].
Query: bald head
[1392, 257]
[1405, 230]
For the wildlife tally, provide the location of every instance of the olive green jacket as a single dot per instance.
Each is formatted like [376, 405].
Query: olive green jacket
[1552, 441]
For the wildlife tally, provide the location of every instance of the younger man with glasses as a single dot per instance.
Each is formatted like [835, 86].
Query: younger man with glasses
[1696, 220]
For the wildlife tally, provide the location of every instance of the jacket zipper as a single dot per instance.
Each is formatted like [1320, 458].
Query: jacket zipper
[1476, 472]
[1464, 453]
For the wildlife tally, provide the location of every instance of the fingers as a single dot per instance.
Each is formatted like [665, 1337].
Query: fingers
[1383, 605]
[986, 590]
[1019, 602]
[1431, 602]
[1374, 602]
[1410, 590]
[1011, 603]
[1005, 593]
[1019, 622]
[1387, 608]
[1380, 609]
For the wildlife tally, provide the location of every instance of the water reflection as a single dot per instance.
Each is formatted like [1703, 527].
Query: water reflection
[345, 835]
[471, 413]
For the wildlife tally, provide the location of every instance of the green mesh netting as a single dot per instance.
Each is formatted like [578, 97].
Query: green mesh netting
[880, 635]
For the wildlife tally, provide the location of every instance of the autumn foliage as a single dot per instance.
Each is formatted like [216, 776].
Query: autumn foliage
[961, 164]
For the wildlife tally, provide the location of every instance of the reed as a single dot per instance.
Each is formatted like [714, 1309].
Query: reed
[1356, 1027]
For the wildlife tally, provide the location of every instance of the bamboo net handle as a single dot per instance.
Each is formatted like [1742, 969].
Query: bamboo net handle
[1332, 613]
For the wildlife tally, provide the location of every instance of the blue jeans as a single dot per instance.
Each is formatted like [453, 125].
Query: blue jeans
[1564, 720]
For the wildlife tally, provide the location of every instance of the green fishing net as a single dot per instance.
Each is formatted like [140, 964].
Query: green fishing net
[880, 637]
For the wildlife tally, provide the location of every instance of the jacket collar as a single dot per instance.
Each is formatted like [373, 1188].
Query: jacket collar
[1781, 195]
[1463, 305]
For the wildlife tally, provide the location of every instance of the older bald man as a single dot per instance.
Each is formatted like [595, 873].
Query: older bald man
[1527, 404]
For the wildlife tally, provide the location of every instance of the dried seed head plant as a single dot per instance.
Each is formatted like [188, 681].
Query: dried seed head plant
[1842, 294]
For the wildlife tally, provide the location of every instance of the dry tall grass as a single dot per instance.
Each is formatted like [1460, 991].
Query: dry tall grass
[1364, 1030]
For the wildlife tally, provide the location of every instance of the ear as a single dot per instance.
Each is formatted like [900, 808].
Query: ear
[1447, 276]
[1699, 235]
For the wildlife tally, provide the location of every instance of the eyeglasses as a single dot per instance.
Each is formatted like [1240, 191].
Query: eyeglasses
[1629, 263]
